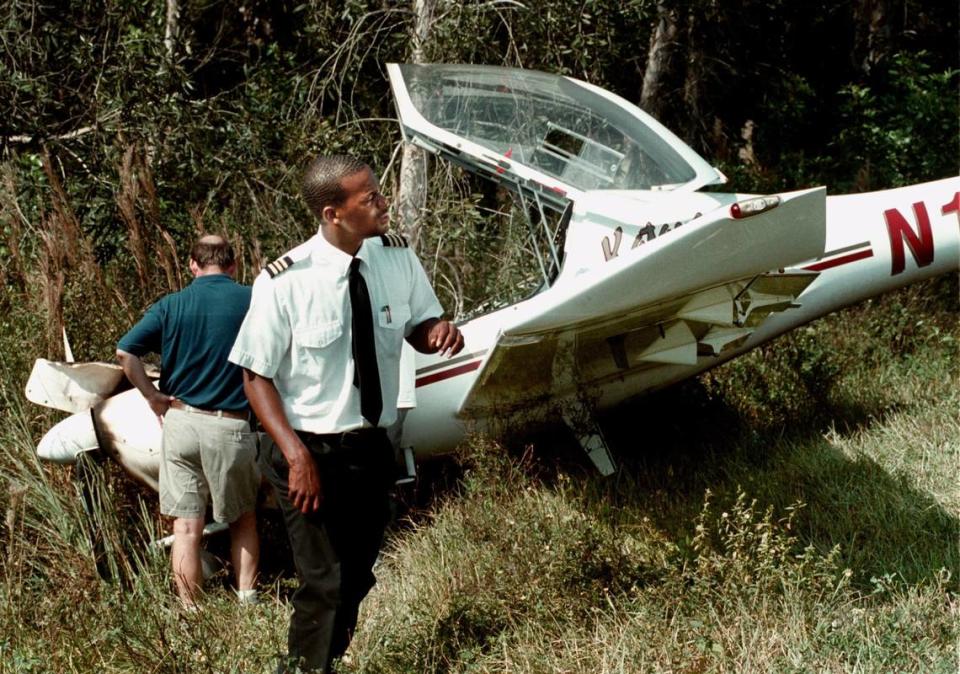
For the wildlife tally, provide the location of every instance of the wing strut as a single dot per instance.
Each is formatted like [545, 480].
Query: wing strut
[579, 419]
[576, 410]
[548, 274]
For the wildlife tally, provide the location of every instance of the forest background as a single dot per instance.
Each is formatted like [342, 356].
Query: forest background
[128, 127]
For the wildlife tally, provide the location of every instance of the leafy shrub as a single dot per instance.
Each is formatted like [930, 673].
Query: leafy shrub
[893, 132]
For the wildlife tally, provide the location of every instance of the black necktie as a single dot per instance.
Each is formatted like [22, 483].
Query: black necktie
[366, 374]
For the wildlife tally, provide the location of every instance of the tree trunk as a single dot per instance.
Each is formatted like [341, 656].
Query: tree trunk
[413, 165]
[657, 73]
[693, 85]
[873, 25]
[172, 28]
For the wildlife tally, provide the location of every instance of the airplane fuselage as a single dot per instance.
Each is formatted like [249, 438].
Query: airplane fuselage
[875, 242]
[658, 279]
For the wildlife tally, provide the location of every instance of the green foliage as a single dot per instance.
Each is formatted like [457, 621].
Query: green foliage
[829, 360]
[695, 560]
[883, 135]
[477, 245]
[894, 134]
[561, 573]
[82, 590]
[250, 89]
[891, 365]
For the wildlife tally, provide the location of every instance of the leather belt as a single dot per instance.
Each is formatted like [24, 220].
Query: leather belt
[338, 438]
[180, 405]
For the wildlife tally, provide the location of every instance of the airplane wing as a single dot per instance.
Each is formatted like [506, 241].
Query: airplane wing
[684, 297]
[75, 387]
[71, 387]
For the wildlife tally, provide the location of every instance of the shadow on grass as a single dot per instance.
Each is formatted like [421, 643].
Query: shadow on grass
[674, 445]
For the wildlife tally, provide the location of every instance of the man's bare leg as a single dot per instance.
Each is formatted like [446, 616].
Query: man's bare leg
[245, 550]
[185, 558]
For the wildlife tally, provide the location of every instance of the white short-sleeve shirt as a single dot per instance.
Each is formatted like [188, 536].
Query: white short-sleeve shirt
[298, 329]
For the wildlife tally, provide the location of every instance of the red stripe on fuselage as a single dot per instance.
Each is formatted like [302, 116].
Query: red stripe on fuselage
[447, 374]
[837, 261]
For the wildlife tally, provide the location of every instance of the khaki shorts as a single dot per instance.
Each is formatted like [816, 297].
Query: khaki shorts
[203, 456]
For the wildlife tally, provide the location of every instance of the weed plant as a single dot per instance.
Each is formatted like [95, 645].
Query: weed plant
[81, 589]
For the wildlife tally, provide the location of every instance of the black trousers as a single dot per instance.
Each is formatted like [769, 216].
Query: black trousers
[335, 548]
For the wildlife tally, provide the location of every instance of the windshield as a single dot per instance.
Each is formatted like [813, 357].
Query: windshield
[549, 123]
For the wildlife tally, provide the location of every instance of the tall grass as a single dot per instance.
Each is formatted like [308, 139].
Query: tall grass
[794, 511]
[81, 590]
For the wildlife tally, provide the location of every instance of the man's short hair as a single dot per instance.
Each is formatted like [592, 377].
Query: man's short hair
[212, 249]
[322, 181]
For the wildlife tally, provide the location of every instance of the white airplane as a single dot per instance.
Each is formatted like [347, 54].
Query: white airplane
[644, 278]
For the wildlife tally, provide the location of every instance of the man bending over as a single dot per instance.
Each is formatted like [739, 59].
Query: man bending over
[208, 450]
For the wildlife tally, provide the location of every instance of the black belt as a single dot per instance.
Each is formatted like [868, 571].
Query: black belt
[362, 449]
[338, 438]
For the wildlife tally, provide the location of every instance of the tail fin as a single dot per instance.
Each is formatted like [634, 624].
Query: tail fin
[67, 351]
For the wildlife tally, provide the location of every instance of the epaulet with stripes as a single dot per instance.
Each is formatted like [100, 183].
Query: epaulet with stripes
[391, 240]
[278, 265]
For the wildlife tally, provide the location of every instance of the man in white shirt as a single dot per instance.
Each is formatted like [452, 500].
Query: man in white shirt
[320, 348]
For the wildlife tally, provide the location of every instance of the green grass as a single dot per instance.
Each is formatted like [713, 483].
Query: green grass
[795, 511]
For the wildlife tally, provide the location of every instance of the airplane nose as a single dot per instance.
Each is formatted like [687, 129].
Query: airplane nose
[65, 441]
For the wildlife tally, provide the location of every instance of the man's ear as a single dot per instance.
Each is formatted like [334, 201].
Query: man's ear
[328, 215]
[194, 267]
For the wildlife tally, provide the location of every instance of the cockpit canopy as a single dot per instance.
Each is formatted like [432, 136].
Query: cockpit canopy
[559, 132]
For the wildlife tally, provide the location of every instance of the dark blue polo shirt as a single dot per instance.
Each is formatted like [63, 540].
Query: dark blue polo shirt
[193, 331]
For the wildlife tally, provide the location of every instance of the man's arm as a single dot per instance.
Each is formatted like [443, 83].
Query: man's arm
[303, 481]
[434, 335]
[133, 368]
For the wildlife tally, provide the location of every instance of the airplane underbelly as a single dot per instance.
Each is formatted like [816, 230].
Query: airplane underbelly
[130, 433]
[123, 426]
[433, 427]
[68, 439]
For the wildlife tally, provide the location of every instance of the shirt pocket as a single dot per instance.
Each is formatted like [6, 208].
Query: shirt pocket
[394, 316]
[392, 320]
[312, 345]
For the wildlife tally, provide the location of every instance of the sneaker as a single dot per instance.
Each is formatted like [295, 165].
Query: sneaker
[247, 597]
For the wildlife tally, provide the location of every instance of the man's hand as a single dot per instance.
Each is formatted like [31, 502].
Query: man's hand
[303, 484]
[159, 403]
[303, 479]
[445, 337]
[434, 335]
[135, 372]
